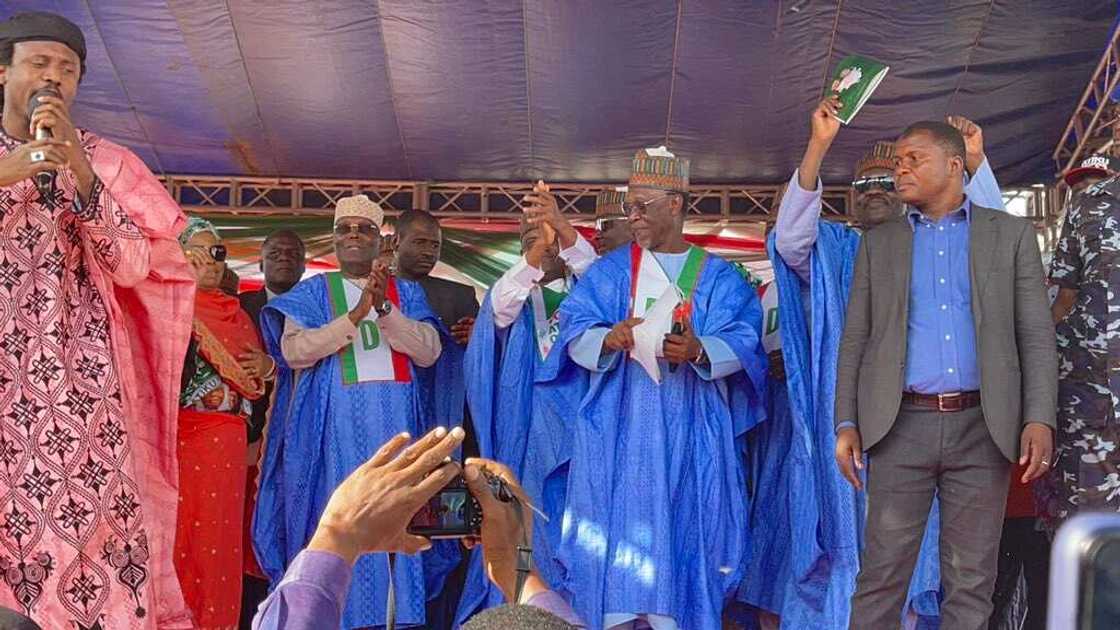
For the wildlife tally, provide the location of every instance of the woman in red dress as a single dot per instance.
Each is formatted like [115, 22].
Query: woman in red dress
[225, 370]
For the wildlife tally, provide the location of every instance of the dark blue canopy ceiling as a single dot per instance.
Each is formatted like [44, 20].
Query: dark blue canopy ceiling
[564, 90]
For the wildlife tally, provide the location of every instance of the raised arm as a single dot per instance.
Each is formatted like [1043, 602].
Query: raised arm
[795, 231]
[110, 237]
[579, 256]
[981, 185]
[509, 292]
[542, 209]
[983, 189]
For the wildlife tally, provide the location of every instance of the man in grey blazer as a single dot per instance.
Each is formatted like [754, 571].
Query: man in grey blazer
[947, 374]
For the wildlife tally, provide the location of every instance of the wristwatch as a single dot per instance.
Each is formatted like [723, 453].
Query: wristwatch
[384, 309]
[702, 358]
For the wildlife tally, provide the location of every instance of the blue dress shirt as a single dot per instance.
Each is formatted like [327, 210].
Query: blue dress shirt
[940, 333]
[941, 336]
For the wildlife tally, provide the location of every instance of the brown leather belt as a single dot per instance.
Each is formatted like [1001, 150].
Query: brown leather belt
[946, 403]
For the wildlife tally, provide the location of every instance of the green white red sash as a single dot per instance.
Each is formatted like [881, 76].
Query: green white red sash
[768, 294]
[368, 357]
[648, 281]
[546, 316]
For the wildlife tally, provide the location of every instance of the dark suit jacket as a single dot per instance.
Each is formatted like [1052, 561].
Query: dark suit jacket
[252, 302]
[1015, 344]
[451, 301]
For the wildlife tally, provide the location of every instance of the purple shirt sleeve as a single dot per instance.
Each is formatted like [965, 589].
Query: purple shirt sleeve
[310, 596]
[550, 601]
[313, 594]
[795, 230]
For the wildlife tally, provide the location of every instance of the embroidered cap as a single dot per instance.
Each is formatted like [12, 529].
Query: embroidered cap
[359, 206]
[880, 156]
[608, 203]
[659, 168]
[1092, 166]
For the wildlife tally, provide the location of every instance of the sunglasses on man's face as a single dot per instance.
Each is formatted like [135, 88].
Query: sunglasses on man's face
[365, 229]
[883, 182]
[217, 252]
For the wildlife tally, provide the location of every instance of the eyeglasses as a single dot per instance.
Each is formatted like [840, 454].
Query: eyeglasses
[864, 184]
[365, 229]
[639, 207]
[217, 252]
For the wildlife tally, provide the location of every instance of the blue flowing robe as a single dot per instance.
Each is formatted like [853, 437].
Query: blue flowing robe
[768, 572]
[443, 394]
[656, 518]
[521, 407]
[319, 432]
[825, 514]
[445, 376]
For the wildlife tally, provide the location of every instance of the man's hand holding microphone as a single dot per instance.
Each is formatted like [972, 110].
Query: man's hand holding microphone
[55, 146]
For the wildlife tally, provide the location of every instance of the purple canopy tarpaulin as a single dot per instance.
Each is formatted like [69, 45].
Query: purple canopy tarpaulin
[505, 90]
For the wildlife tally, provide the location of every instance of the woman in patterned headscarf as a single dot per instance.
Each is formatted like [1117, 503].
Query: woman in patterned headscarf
[225, 369]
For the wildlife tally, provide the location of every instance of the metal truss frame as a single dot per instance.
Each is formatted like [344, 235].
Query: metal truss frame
[1093, 114]
[476, 200]
[727, 203]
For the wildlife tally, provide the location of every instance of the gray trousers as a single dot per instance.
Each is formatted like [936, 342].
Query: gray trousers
[954, 455]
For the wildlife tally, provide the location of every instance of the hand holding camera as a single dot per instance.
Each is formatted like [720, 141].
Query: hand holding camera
[507, 528]
[403, 497]
[369, 511]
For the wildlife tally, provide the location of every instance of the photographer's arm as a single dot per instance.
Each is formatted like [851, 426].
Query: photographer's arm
[502, 532]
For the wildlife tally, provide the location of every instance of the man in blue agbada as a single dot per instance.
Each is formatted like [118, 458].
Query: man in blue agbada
[349, 345]
[521, 396]
[813, 261]
[655, 529]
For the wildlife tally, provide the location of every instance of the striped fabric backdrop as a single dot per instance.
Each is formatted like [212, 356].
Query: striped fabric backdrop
[474, 252]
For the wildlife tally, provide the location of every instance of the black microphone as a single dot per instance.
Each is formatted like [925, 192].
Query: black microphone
[45, 179]
[678, 329]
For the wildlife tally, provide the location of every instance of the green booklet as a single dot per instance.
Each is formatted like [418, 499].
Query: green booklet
[855, 80]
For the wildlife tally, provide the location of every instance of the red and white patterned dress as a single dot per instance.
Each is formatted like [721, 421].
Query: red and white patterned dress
[74, 551]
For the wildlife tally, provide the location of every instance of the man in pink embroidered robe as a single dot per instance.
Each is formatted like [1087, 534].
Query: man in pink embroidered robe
[95, 315]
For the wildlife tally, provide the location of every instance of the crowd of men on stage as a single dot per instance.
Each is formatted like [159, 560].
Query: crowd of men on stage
[898, 448]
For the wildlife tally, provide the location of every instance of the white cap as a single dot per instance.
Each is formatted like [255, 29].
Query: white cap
[359, 206]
